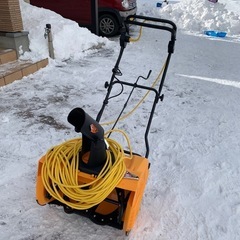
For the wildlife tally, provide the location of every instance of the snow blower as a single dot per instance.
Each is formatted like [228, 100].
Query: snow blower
[93, 176]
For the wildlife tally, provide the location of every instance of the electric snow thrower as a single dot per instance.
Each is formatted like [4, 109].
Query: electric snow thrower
[94, 176]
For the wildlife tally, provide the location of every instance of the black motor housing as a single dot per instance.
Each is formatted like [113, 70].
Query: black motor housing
[93, 153]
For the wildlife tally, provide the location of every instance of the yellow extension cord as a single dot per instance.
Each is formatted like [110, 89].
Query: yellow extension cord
[60, 174]
[139, 36]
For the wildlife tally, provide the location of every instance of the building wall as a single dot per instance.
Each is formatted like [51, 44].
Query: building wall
[10, 16]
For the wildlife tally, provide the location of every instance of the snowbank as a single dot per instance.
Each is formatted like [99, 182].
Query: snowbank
[69, 40]
[199, 15]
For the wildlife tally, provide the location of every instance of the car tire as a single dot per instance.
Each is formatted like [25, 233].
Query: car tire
[108, 25]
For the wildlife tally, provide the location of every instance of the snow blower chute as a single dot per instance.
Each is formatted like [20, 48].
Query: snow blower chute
[94, 176]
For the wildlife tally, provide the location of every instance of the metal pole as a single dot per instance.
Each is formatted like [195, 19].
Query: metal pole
[48, 34]
[94, 16]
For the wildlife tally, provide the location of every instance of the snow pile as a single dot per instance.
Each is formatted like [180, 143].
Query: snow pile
[200, 15]
[69, 40]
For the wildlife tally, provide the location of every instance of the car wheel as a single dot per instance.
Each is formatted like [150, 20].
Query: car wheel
[108, 25]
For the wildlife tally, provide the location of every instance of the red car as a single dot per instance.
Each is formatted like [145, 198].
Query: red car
[109, 15]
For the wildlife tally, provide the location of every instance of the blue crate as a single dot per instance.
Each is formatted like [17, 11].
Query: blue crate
[215, 33]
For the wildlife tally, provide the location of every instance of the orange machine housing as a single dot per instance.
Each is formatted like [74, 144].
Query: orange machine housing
[133, 185]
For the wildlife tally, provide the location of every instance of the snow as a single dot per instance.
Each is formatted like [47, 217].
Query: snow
[193, 191]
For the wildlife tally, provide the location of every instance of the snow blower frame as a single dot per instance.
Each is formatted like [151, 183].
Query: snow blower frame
[83, 161]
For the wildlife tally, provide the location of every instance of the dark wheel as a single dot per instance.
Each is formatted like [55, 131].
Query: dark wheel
[108, 25]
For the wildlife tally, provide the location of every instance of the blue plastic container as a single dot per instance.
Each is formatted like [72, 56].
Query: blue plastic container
[215, 33]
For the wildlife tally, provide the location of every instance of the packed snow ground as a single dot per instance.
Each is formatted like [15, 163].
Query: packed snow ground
[193, 191]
